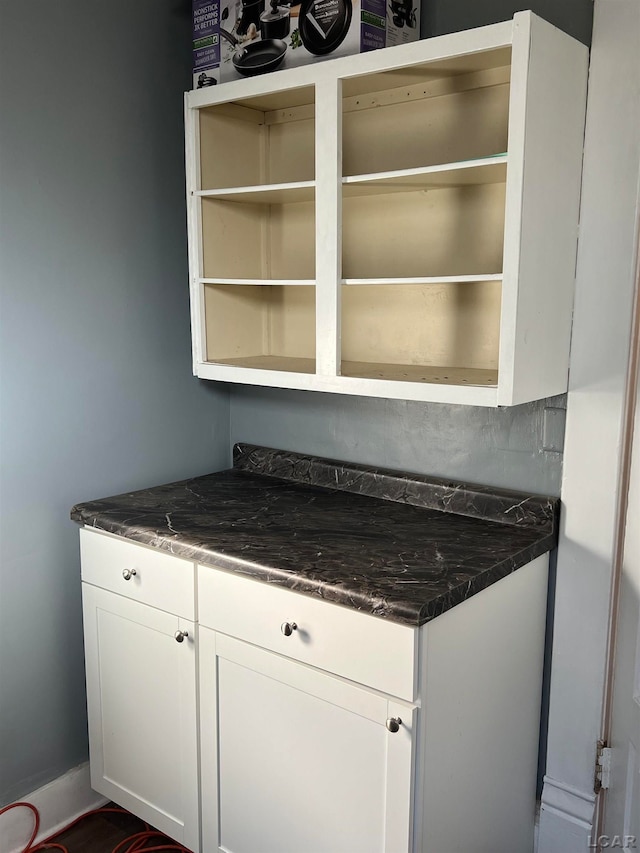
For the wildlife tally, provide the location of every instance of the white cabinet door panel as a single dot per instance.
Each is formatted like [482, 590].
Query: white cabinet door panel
[296, 760]
[141, 697]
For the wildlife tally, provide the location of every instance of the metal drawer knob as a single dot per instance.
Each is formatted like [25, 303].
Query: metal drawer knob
[393, 724]
[127, 574]
[288, 628]
[181, 636]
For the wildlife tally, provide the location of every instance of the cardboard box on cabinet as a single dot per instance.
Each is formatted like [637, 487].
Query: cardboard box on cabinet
[238, 38]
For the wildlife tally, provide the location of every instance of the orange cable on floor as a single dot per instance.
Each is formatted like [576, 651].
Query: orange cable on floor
[136, 843]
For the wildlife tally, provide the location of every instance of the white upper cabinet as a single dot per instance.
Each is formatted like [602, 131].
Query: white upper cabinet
[401, 224]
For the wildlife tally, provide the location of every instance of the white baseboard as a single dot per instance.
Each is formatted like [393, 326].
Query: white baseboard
[566, 818]
[59, 802]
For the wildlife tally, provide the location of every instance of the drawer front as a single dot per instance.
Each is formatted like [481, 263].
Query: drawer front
[357, 646]
[143, 574]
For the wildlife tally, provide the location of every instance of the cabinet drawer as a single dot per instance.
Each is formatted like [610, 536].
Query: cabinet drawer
[357, 646]
[156, 578]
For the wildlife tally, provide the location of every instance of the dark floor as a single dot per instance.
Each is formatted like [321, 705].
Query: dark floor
[102, 833]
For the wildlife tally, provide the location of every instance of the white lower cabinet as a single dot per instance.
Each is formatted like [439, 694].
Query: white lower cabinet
[413, 740]
[141, 698]
[294, 759]
[276, 722]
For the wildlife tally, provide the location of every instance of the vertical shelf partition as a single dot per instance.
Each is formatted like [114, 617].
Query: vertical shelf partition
[401, 223]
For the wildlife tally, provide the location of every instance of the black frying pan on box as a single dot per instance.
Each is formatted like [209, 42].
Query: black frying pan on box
[256, 57]
[323, 24]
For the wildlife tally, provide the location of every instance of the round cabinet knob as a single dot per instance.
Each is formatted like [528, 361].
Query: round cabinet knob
[181, 636]
[393, 724]
[288, 628]
[127, 574]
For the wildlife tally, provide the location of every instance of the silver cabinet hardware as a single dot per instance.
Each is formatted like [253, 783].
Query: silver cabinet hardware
[288, 628]
[393, 724]
[180, 636]
[127, 574]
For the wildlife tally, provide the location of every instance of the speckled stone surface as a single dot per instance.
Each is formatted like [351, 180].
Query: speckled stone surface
[401, 486]
[396, 545]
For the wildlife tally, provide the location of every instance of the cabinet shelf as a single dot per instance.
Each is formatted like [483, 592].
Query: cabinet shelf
[253, 282]
[284, 193]
[442, 279]
[420, 373]
[281, 363]
[449, 175]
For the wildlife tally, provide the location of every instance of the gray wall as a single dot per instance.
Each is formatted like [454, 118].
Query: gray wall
[96, 392]
[447, 16]
[499, 447]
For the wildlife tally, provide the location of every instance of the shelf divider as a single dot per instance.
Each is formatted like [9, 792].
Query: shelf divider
[328, 225]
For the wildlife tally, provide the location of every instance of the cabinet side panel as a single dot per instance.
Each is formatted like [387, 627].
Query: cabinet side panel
[481, 686]
[539, 264]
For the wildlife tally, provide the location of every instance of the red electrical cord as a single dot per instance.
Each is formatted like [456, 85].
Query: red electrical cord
[136, 843]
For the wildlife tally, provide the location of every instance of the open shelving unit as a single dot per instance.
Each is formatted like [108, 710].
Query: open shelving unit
[401, 223]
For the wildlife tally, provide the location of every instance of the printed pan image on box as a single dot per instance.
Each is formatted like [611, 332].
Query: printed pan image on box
[242, 38]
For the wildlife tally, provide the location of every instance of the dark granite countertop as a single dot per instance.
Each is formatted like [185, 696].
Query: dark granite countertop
[394, 544]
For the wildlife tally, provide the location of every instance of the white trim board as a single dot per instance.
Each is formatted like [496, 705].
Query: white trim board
[568, 802]
[59, 802]
[595, 407]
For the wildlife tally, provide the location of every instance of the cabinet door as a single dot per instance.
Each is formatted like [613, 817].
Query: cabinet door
[297, 760]
[141, 698]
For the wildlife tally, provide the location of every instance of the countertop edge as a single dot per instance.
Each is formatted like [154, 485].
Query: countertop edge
[514, 527]
[341, 595]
